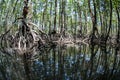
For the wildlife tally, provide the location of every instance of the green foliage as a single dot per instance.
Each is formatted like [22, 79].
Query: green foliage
[44, 12]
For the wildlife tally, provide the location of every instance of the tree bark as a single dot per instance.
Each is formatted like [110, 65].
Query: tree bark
[110, 22]
[55, 15]
[94, 19]
[118, 16]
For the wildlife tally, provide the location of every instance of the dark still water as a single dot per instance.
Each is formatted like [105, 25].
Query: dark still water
[83, 62]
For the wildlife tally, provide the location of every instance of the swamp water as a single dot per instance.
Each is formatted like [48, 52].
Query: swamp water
[83, 62]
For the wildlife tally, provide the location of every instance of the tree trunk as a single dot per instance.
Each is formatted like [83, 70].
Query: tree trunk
[55, 15]
[80, 19]
[94, 19]
[118, 34]
[110, 22]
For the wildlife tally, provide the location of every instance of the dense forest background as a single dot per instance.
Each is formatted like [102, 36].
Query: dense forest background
[78, 18]
[60, 39]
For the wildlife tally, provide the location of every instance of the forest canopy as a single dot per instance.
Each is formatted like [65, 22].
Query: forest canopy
[93, 19]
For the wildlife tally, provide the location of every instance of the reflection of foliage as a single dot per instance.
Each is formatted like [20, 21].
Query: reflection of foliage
[63, 63]
[9, 67]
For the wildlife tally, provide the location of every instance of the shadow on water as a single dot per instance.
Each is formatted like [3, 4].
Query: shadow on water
[83, 62]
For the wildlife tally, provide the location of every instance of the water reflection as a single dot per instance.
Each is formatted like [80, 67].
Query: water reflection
[83, 62]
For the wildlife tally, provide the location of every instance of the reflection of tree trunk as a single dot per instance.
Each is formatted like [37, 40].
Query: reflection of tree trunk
[105, 63]
[3, 72]
[114, 64]
[84, 66]
[54, 64]
[93, 53]
[75, 65]
[27, 68]
[60, 64]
